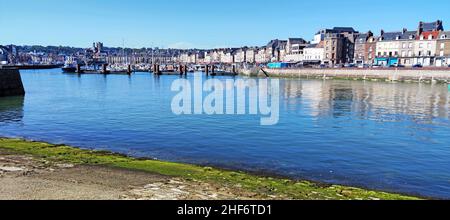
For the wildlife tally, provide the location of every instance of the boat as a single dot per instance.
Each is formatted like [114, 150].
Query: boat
[69, 68]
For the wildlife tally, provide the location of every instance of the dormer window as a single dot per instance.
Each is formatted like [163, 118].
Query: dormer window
[430, 37]
[444, 36]
[422, 37]
[411, 37]
[397, 38]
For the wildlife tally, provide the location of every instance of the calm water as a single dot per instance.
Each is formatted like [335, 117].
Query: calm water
[393, 137]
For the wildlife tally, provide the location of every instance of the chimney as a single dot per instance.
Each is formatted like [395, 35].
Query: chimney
[382, 33]
[439, 25]
[420, 29]
[404, 30]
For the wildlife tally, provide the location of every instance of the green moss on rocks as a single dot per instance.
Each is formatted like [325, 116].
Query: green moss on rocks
[281, 188]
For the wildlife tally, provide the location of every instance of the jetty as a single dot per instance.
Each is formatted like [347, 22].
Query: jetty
[10, 82]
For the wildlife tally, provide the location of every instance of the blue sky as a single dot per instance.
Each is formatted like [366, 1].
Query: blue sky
[199, 23]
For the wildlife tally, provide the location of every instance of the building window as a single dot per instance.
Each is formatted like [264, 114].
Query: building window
[441, 53]
[404, 45]
[410, 45]
[442, 45]
[421, 45]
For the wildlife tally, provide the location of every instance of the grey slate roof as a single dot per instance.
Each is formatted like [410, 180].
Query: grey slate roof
[391, 35]
[343, 29]
[432, 26]
[297, 40]
[446, 35]
[407, 35]
[362, 37]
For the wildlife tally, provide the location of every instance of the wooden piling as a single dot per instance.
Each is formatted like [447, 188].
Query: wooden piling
[78, 68]
[180, 69]
[158, 70]
[129, 69]
[207, 70]
[104, 70]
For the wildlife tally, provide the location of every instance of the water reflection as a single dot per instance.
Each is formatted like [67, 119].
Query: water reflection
[369, 100]
[11, 109]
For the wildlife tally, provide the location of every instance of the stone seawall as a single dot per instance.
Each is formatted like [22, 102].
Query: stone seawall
[10, 83]
[419, 75]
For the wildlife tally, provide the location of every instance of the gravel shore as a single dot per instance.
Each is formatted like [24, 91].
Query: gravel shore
[28, 178]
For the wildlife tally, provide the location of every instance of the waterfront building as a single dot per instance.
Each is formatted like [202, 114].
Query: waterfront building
[443, 49]
[261, 55]
[388, 46]
[250, 56]
[294, 49]
[406, 50]
[240, 55]
[3, 56]
[371, 50]
[208, 57]
[314, 53]
[361, 55]
[339, 45]
[276, 50]
[184, 57]
[425, 48]
[227, 56]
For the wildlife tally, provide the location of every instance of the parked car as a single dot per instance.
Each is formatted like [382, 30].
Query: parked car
[349, 65]
[376, 66]
[418, 66]
[397, 66]
[338, 66]
[363, 66]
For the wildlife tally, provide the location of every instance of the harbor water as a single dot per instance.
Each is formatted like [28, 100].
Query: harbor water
[385, 136]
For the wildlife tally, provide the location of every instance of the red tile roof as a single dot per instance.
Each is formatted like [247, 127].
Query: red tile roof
[427, 34]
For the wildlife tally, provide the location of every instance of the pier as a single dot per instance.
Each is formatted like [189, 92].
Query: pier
[10, 82]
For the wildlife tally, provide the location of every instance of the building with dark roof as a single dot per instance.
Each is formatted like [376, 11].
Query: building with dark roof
[339, 46]
[430, 26]
[443, 49]
[364, 48]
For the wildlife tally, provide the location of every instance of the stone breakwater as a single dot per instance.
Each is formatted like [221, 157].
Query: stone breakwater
[10, 83]
[405, 75]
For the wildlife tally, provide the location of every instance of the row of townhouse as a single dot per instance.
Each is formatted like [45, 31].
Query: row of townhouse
[330, 46]
[429, 45]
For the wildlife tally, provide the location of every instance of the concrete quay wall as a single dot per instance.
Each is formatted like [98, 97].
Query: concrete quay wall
[419, 75]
